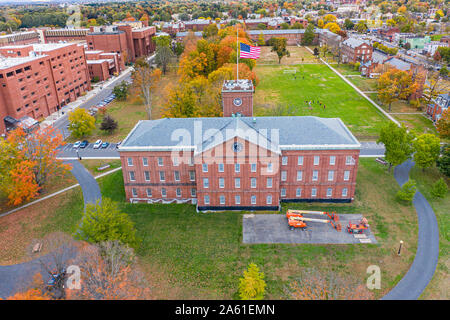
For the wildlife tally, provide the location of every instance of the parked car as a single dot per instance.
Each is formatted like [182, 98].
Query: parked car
[105, 145]
[97, 144]
[77, 144]
[84, 144]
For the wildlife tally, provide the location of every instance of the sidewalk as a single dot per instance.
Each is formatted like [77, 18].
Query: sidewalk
[98, 87]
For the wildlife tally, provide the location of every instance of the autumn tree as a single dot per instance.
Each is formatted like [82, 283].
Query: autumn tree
[279, 46]
[361, 26]
[397, 142]
[395, 85]
[443, 124]
[109, 271]
[333, 27]
[314, 285]
[145, 80]
[252, 285]
[163, 57]
[426, 150]
[27, 161]
[105, 222]
[108, 124]
[81, 123]
[434, 86]
[36, 291]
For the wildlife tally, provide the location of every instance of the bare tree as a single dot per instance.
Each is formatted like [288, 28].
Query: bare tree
[145, 80]
[109, 271]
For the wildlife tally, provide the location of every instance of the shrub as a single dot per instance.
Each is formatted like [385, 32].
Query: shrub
[439, 189]
[407, 191]
[252, 285]
[357, 65]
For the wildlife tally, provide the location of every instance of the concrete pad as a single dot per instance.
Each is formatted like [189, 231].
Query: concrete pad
[274, 228]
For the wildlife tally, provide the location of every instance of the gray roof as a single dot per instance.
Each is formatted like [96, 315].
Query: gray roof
[379, 57]
[399, 64]
[278, 31]
[354, 42]
[284, 133]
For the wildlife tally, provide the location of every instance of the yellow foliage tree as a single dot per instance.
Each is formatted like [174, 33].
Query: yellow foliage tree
[252, 285]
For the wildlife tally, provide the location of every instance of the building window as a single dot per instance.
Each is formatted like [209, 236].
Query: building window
[192, 175]
[191, 162]
[316, 160]
[269, 182]
[313, 192]
[147, 175]
[283, 175]
[162, 176]
[329, 192]
[349, 160]
[145, 162]
[253, 182]
[205, 183]
[253, 199]
[222, 199]
[315, 175]
[237, 167]
[221, 183]
[237, 182]
[160, 162]
[283, 192]
[130, 162]
[221, 167]
[299, 175]
[346, 175]
[132, 177]
[205, 167]
[270, 167]
[298, 192]
[237, 199]
[163, 192]
[284, 161]
[178, 192]
[176, 175]
[331, 175]
[332, 160]
[206, 198]
[175, 162]
[344, 192]
[193, 192]
[134, 192]
[253, 167]
[269, 199]
[149, 192]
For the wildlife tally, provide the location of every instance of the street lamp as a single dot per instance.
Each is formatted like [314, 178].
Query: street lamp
[400, 247]
[78, 155]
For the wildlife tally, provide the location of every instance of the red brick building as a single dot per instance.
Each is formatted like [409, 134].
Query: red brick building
[240, 163]
[36, 80]
[66, 34]
[102, 65]
[356, 50]
[130, 42]
[20, 38]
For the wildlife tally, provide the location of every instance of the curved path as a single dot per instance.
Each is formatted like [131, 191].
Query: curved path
[425, 262]
[15, 278]
[89, 186]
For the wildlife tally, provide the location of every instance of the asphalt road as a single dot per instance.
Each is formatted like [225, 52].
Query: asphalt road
[425, 262]
[89, 186]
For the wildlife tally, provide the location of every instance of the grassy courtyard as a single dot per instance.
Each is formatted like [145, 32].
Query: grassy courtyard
[200, 255]
[315, 82]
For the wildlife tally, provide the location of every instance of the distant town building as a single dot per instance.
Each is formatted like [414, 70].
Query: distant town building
[356, 50]
[439, 105]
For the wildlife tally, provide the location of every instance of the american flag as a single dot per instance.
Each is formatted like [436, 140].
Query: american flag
[249, 52]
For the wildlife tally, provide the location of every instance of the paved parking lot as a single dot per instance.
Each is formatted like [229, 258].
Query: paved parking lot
[274, 228]
[69, 152]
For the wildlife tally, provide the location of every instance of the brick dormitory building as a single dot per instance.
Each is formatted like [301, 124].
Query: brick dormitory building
[38, 79]
[240, 162]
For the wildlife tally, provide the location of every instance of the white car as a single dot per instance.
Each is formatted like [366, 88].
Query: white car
[97, 144]
[77, 144]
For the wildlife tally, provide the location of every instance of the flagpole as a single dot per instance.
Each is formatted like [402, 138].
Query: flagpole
[237, 54]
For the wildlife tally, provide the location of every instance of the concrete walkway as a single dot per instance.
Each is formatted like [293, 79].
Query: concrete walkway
[425, 262]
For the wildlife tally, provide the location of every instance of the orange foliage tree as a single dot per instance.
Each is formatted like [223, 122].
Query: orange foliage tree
[27, 161]
[443, 125]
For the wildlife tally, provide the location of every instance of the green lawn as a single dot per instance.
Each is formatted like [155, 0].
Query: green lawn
[438, 287]
[200, 255]
[316, 82]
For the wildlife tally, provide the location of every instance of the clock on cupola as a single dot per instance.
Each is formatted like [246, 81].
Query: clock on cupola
[237, 98]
